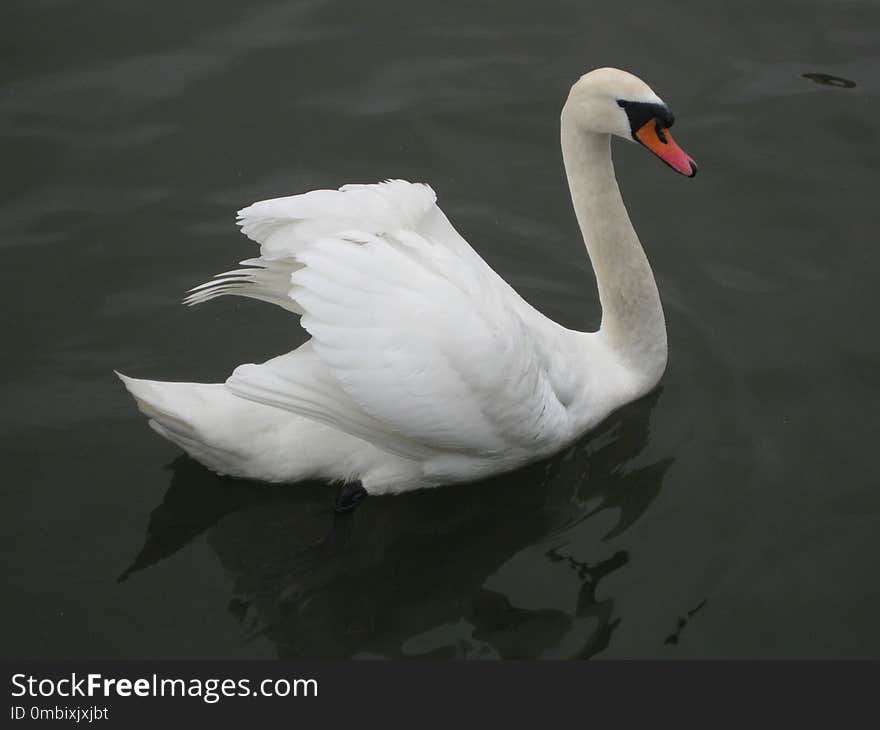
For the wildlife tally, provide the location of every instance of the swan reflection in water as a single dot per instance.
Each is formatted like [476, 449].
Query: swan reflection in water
[479, 570]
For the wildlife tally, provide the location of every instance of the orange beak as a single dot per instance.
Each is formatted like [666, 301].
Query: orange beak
[660, 142]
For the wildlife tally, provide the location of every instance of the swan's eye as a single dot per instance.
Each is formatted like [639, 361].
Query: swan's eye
[622, 104]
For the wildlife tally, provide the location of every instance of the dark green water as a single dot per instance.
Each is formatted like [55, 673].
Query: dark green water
[745, 491]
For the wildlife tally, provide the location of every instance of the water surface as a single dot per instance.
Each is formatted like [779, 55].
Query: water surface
[733, 513]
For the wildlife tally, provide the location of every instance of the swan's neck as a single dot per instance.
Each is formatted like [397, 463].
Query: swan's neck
[632, 316]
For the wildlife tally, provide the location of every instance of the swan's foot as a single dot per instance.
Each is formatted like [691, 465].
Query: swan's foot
[350, 496]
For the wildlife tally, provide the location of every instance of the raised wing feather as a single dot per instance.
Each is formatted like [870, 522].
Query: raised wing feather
[427, 342]
[285, 226]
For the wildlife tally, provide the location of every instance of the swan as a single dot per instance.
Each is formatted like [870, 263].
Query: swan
[424, 366]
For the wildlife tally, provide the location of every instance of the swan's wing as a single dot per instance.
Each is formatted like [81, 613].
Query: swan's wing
[424, 341]
[300, 382]
[284, 227]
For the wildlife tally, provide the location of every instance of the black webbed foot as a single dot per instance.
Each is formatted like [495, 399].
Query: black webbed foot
[350, 496]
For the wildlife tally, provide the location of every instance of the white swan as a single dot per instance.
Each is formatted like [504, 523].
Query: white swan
[425, 367]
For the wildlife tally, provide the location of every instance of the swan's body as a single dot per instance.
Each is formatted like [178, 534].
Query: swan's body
[424, 366]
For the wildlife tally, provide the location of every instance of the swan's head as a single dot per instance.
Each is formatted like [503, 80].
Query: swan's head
[612, 101]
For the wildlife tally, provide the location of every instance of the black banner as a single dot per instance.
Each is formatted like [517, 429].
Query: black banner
[135, 694]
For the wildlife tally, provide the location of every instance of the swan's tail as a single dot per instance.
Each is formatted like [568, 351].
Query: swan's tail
[238, 437]
[190, 415]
